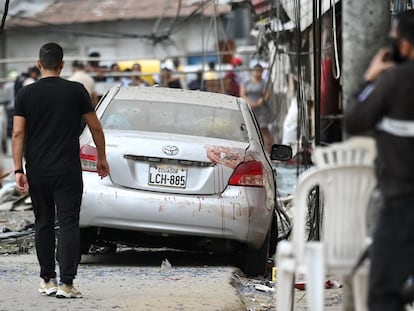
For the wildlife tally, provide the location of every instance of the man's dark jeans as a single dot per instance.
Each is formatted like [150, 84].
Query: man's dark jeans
[57, 195]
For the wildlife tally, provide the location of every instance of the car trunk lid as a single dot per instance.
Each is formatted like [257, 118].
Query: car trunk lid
[173, 163]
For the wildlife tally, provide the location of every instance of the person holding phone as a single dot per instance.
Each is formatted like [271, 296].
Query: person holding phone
[386, 107]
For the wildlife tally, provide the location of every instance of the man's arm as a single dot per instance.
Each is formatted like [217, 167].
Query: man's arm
[18, 136]
[367, 108]
[98, 137]
[379, 63]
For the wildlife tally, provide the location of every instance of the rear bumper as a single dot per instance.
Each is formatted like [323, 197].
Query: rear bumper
[239, 214]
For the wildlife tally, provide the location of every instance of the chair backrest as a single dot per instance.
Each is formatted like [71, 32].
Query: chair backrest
[345, 175]
[356, 150]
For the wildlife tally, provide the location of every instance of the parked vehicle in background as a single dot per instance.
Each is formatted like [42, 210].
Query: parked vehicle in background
[188, 171]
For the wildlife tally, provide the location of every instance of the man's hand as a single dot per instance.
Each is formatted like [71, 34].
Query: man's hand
[379, 63]
[22, 183]
[102, 168]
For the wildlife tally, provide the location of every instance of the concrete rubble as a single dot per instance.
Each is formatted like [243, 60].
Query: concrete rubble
[16, 219]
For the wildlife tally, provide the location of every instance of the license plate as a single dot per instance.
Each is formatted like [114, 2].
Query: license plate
[167, 176]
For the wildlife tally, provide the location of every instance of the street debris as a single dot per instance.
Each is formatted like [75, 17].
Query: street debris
[16, 219]
[258, 294]
[264, 288]
[328, 285]
[166, 265]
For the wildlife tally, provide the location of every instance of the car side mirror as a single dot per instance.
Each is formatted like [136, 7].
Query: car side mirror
[281, 152]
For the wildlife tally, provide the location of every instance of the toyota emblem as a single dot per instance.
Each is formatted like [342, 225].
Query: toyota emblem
[170, 150]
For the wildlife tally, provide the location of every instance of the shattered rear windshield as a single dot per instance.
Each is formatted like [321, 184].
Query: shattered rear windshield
[176, 118]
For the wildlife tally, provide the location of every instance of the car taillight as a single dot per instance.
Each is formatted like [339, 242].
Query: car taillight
[248, 174]
[88, 157]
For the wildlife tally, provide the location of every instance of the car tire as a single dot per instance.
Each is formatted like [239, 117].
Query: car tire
[274, 236]
[253, 262]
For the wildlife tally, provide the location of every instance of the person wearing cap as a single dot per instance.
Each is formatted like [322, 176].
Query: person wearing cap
[384, 107]
[231, 86]
[95, 68]
[237, 64]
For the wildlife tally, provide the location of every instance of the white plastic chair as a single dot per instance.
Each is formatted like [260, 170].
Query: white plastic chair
[345, 175]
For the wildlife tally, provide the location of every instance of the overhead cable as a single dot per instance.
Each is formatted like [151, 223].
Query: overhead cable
[337, 68]
[156, 35]
[3, 20]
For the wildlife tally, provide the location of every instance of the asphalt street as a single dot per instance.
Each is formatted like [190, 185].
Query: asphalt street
[133, 280]
[123, 283]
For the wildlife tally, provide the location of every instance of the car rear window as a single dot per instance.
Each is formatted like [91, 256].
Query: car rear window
[177, 118]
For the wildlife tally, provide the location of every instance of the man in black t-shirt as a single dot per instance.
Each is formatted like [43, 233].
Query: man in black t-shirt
[386, 107]
[46, 129]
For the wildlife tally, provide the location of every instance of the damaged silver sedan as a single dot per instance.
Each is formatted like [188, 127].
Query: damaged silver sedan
[188, 171]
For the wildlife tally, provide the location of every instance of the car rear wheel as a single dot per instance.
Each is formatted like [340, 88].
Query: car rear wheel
[86, 238]
[273, 239]
[253, 262]
[85, 244]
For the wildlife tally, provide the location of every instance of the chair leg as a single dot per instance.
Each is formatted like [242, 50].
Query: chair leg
[285, 276]
[315, 276]
[360, 290]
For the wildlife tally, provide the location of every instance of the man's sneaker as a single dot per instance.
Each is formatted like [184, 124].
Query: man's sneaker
[49, 288]
[67, 291]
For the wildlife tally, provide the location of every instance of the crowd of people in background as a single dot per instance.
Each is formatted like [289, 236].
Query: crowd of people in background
[171, 75]
[235, 80]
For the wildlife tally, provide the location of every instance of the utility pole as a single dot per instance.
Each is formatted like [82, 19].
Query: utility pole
[3, 72]
[365, 27]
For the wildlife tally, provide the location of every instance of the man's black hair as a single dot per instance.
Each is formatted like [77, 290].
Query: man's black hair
[51, 56]
[405, 25]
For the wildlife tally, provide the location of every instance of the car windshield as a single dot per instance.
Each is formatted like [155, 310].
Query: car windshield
[177, 118]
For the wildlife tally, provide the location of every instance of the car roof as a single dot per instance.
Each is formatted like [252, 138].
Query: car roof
[177, 96]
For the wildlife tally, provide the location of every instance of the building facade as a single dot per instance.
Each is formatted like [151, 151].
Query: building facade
[118, 30]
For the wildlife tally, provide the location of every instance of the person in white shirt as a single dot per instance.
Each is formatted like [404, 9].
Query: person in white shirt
[80, 75]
